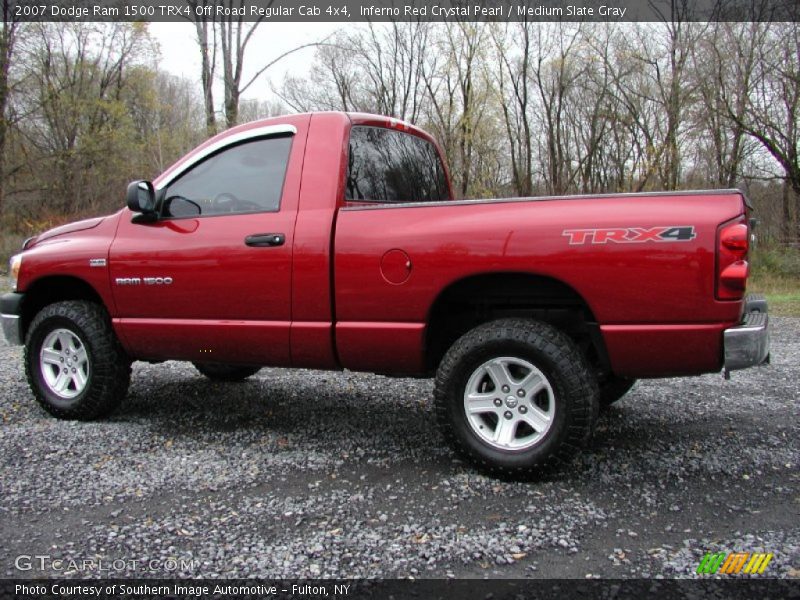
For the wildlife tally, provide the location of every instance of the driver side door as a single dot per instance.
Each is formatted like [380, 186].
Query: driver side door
[210, 280]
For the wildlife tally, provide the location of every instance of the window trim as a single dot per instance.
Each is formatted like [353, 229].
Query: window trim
[220, 145]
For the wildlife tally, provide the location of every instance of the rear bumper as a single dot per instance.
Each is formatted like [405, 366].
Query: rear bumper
[747, 344]
[10, 318]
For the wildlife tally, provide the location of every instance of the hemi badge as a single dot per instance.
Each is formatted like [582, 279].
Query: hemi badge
[97, 262]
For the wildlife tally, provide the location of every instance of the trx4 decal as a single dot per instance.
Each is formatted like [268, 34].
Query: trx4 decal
[630, 235]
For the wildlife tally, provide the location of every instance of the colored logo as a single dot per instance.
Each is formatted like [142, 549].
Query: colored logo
[734, 563]
[630, 235]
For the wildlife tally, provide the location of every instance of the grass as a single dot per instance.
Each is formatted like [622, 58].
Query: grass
[783, 294]
[776, 274]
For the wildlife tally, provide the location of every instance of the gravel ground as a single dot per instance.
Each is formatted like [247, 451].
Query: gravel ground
[318, 474]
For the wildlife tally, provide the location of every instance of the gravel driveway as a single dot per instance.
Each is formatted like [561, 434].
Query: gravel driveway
[303, 473]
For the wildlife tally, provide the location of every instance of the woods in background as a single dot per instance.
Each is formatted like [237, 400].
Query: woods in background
[563, 108]
[519, 108]
[87, 111]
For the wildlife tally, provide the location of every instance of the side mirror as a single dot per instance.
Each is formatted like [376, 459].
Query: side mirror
[141, 197]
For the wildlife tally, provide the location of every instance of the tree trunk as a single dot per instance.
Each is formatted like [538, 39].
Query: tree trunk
[6, 49]
[207, 67]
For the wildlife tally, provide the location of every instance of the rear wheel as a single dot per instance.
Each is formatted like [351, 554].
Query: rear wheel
[614, 388]
[226, 372]
[516, 396]
[74, 363]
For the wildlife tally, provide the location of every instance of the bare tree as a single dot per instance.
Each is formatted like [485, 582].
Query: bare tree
[335, 80]
[602, 147]
[664, 51]
[770, 113]
[723, 75]
[206, 41]
[166, 113]
[392, 59]
[231, 37]
[512, 78]
[75, 94]
[252, 109]
[378, 69]
[8, 36]
[457, 90]
[555, 72]
[234, 36]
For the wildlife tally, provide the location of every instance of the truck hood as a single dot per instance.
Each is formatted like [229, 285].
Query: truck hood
[62, 229]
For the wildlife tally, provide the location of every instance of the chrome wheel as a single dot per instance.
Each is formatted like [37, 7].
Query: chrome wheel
[509, 404]
[64, 363]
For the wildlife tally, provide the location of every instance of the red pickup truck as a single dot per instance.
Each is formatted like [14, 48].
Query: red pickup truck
[332, 241]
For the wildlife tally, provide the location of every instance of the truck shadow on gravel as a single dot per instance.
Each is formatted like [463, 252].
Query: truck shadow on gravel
[391, 420]
[290, 409]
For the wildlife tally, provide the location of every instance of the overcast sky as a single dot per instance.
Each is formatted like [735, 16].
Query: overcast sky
[181, 56]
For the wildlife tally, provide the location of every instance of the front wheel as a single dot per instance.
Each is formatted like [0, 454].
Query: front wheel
[74, 363]
[516, 396]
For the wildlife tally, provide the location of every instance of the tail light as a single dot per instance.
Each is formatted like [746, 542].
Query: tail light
[732, 266]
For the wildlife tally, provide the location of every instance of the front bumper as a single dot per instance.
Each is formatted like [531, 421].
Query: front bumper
[747, 344]
[10, 318]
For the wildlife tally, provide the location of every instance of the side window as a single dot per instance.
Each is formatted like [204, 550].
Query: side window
[392, 166]
[239, 179]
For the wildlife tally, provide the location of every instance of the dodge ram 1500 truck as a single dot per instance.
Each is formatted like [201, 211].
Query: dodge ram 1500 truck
[332, 241]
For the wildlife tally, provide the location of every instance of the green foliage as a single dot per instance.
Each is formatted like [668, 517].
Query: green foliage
[774, 261]
[98, 117]
[10, 244]
[775, 272]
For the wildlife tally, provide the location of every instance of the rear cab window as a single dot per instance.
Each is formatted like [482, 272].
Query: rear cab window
[390, 167]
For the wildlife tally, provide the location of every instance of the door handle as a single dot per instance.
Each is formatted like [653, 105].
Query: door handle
[260, 240]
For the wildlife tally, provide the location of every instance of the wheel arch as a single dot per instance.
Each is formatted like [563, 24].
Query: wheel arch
[55, 288]
[479, 298]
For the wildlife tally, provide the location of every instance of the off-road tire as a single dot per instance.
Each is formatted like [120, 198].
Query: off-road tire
[554, 354]
[109, 366]
[225, 372]
[614, 388]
